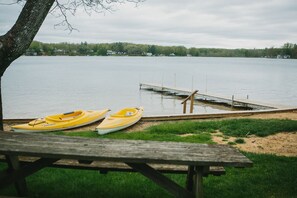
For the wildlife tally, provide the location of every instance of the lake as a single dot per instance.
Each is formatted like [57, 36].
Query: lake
[38, 86]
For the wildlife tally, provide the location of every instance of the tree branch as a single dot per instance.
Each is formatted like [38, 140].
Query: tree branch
[89, 6]
[15, 42]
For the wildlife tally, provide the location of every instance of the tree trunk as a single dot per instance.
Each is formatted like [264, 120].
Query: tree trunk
[1, 110]
[15, 42]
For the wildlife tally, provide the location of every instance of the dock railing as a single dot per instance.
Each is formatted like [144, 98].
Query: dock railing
[191, 97]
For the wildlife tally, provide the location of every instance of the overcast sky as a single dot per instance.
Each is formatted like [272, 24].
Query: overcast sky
[191, 23]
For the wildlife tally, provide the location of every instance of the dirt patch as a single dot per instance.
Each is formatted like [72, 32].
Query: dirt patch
[186, 135]
[279, 144]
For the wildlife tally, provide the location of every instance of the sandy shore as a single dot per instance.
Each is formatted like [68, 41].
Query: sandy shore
[284, 144]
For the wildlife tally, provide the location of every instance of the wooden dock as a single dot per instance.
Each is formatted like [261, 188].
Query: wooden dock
[213, 98]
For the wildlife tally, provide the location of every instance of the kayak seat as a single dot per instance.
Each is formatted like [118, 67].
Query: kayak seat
[129, 113]
[36, 122]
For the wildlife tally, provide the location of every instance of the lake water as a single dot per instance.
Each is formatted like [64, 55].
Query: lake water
[38, 86]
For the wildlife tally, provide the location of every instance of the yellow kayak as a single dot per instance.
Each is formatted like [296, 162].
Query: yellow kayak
[120, 120]
[62, 121]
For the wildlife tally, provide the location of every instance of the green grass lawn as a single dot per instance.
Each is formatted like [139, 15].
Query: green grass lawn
[271, 176]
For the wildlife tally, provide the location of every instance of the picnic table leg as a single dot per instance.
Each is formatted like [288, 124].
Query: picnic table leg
[190, 177]
[161, 180]
[198, 181]
[13, 165]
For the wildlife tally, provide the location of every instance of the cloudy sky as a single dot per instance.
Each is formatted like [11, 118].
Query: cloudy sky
[192, 23]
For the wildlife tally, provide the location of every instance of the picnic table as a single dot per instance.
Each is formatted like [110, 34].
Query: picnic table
[137, 154]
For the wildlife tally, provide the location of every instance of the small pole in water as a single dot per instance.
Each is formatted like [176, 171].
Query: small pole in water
[247, 96]
[192, 83]
[174, 80]
[232, 101]
[206, 83]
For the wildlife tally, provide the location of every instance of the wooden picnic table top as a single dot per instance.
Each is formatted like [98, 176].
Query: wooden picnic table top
[131, 151]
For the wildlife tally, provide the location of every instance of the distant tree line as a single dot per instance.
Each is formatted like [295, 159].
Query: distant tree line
[36, 48]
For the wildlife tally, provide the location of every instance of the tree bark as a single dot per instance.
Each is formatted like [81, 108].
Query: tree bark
[15, 42]
[1, 109]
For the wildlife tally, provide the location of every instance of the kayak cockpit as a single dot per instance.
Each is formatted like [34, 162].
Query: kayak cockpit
[65, 116]
[128, 112]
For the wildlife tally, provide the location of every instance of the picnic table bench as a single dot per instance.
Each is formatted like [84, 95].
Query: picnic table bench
[142, 156]
[104, 167]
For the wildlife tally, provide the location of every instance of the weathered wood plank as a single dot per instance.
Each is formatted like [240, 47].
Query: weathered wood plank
[161, 180]
[136, 153]
[192, 104]
[189, 96]
[50, 146]
[118, 166]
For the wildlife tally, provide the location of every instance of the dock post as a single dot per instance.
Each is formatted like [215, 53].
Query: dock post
[191, 97]
[192, 104]
[185, 107]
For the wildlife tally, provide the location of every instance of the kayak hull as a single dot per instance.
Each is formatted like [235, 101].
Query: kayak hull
[120, 120]
[60, 122]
